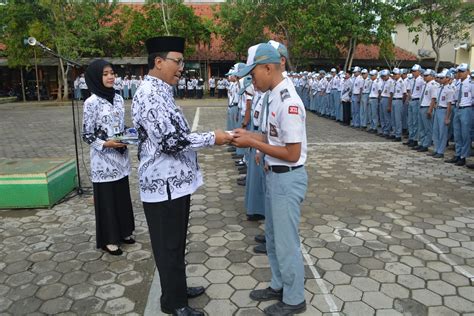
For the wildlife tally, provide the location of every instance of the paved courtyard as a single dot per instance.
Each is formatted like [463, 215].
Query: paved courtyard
[384, 230]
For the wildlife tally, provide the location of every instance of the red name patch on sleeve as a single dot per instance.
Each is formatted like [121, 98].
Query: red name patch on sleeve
[293, 109]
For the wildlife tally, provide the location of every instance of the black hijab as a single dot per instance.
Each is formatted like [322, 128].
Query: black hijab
[94, 82]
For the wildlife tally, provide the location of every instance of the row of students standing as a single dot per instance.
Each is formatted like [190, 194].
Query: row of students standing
[428, 108]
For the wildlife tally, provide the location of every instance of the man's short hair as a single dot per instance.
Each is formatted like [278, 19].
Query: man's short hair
[152, 57]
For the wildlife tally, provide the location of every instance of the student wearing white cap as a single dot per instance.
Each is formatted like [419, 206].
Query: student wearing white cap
[442, 115]
[285, 148]
[340, 82]
[462, 120]
[364, 101]
[398, 98]
[335, 95]
[374, 97]
[346, 99]
[414, 94]
[427, 102]
[385, 104]
[406, 80]
[357, 85]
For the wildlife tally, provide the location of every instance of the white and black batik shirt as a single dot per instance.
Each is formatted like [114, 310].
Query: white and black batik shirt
[168, 163]
[102, 120]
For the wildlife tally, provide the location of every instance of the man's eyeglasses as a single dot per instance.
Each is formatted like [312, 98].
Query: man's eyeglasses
[179, 61]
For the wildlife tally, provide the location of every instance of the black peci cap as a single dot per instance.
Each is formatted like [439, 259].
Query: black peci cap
[165, 44]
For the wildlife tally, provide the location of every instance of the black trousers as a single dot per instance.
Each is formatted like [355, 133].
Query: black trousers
[346, 112]
[181, 93]
[220, 93]
[114, 218]
[168, 226]
[212, 91]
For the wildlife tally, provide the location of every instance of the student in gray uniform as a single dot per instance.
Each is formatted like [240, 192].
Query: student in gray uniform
[442, 115]
[285, 148]
[427, 102]
[462, 119]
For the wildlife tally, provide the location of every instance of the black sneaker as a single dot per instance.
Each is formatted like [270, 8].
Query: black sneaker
[282, 309]
[260, 239]
[262, 248]
[461, 162]
[453, 160]
[414, 143]
[267, 294]
[407, 143]
[438, 156]
[255, 217]
[422, 149]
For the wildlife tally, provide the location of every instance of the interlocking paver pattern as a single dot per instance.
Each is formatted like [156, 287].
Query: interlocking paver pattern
[388, 231]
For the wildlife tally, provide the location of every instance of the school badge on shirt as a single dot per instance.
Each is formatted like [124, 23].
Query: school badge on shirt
[284, 94]
[256, 114]
[273, 130]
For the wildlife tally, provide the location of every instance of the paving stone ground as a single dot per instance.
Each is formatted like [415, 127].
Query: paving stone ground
[384, 230]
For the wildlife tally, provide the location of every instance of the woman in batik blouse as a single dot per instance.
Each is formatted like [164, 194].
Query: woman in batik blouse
[110, 166]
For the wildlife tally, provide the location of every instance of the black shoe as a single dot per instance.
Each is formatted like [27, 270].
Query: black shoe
[407, 143]
[438, 156]
[231, 149]
[282, 309]
[116, 252]
[194, 291]
[262, 248]
[239, 163]
[416, 147]
[413, 144]
[267, 294]
[260, 239]
[183, 311]
[242, 167]
[422, 149]
[470, 165]
[241, 182]
[453, 160]
[431, 154]
[397, 139]
[391, 137]
[461, 162]
[242, 170]
[255, 217]
[129, 241]
[235, 156]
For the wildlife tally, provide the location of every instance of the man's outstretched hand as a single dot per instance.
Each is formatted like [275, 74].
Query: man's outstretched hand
[222, 137]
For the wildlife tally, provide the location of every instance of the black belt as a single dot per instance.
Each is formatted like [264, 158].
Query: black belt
[397, 98]
[233, 104]
[415, 99]
[425, 106]
[385, 97]
[283, 169]
[463, 107]
[441, 107]
[373, 98]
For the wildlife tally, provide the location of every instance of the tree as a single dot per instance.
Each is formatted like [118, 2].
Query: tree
[159, 17]
[444, 21]
[15, 17]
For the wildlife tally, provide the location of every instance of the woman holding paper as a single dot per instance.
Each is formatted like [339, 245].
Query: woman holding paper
[103, 120]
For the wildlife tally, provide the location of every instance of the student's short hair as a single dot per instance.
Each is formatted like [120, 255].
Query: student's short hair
[152, 57]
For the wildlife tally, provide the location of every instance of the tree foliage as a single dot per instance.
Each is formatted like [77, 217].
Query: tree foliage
[311, 29]
[445, 21]
[93, 28]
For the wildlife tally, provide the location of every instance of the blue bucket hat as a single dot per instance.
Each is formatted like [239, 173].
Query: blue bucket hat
[259, 54]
